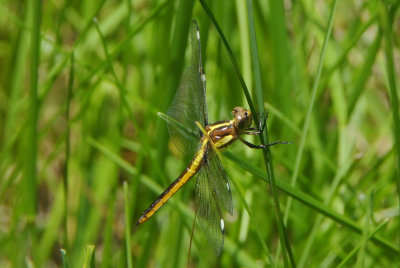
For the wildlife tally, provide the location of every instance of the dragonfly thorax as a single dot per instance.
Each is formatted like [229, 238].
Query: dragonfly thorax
[223, 133]
[242, 118]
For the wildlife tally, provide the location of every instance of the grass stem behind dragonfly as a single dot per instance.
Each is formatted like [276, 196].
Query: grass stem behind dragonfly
[189, 107]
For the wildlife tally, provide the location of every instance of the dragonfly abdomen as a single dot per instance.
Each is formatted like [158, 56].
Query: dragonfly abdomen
[189, 172]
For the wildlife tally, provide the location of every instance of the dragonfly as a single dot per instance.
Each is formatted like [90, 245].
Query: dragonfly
[189, 129]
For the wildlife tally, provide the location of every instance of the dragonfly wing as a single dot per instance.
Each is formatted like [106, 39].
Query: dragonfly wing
[184, 109]
[220, 181]
[201, 81]
[208, 206]
[189, 104]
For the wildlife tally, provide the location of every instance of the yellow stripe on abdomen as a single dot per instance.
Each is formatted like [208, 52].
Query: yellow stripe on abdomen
[189, 172]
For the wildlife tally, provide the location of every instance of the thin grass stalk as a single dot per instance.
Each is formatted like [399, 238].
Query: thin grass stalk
[259, 98]
[251, 106]
[305, 129]
[64, 259]
[365, 72]
[67, 149]
[357, 248]
[247, 74]
[121, 47]
[127, 227]
[60, 67]
[345, 53]
[387, 19]
[30, 175]
[232, 57]
[311, 202]
[31, 146]
[120, 85]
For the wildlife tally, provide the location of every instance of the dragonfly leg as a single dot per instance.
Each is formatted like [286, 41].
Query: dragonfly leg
[249, 144]
[277, 142]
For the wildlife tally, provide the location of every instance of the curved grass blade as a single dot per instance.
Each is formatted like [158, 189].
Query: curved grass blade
[266, 153]
[354, 251]
[311, 202]
[306, 125]
[127, 226]
[231, 56]
[285, 245]
[387, 19]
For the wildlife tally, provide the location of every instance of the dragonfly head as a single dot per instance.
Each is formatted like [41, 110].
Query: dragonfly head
[242, 118]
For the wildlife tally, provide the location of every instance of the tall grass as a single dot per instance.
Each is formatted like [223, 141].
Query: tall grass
[83, 152]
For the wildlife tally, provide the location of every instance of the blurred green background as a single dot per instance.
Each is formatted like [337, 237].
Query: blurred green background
[83, 152]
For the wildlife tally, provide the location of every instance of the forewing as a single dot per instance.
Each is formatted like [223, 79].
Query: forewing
[198, 64]
[184, 110]
[209, 212]
[189, 104]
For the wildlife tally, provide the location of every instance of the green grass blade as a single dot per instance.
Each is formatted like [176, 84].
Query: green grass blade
[388, 13]
[254, 222]
[310, 201]
[31, 137]
[231, 56]
[306, 125]
[121, 87]
[345, 53]
[355, 250]
[365, 72]
[259, 98]
[127, 227]
[31, 133]
[67, 149]
[64, 259]
[121, 47]
[89, 260]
